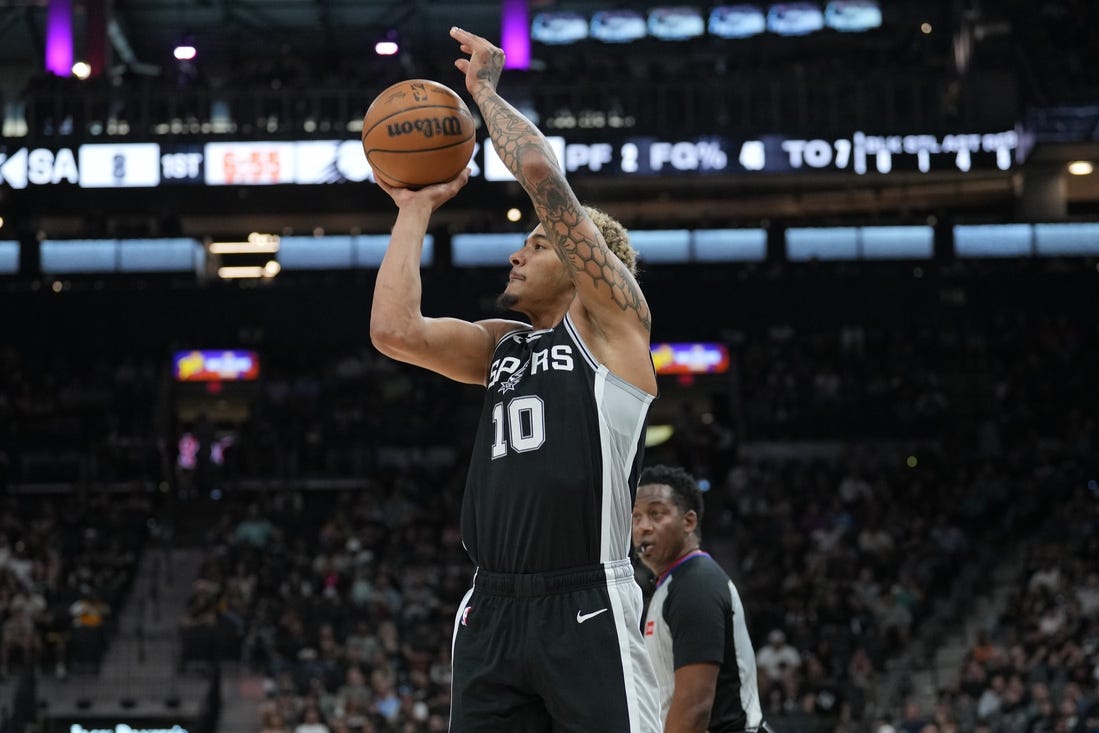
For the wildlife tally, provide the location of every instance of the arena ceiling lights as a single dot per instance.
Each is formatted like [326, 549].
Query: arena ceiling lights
[681, 23]
[257, 244]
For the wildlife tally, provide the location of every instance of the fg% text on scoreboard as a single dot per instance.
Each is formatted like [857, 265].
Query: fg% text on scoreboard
[648, 155]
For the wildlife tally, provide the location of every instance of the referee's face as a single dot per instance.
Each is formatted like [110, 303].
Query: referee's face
[662, 533]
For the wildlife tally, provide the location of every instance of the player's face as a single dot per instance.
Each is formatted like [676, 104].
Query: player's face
[537, 274]
[661, 531]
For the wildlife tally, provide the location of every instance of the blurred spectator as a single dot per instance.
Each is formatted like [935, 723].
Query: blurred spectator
[895, 616]
[89, 611]
[777, 660]
[312, 722]
[20, 634]
[254, 530]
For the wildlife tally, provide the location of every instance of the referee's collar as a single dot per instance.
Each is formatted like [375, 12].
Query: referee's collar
[682, 559]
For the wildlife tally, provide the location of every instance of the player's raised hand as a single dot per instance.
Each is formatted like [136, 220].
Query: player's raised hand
[435, 195]
[485, 62]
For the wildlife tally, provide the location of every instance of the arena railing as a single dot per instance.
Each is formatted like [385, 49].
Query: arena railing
[737, 102]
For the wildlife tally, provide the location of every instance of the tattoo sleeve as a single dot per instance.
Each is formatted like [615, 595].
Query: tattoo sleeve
[518, 141]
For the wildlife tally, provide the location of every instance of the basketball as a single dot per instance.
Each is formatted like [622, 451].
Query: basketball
[416, 133]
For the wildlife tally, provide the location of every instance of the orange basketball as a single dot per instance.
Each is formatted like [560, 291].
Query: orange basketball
[416, 133]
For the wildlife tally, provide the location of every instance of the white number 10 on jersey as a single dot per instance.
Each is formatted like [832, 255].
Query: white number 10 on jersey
[522, 425]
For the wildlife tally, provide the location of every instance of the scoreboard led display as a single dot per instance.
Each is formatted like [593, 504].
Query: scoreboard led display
[690, 358]
[215, 366]
[322, 162]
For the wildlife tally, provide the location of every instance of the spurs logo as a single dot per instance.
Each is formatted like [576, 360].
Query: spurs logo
[512, 382]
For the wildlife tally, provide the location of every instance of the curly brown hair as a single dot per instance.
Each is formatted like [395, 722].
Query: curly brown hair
[616, 237]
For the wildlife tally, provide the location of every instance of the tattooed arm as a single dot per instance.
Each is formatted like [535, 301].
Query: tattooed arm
[615, 310]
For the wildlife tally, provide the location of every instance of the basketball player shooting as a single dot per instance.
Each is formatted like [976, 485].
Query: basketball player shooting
[548, 638]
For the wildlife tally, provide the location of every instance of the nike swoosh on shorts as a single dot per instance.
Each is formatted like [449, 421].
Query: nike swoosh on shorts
[582, 617]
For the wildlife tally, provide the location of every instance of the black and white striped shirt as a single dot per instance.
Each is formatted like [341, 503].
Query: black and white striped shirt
[695, 616]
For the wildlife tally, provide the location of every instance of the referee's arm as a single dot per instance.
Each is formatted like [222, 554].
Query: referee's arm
[693, 698]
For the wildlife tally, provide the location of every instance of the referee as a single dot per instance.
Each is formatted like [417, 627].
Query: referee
[695, 628]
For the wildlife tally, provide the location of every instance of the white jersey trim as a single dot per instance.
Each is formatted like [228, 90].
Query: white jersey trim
[575, 334]
[745, 662]
[454, 635]
[606, 523]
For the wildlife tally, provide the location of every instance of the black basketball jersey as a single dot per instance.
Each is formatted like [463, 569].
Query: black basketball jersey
[556, 458]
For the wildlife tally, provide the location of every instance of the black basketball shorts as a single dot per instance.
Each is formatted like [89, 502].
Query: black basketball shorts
[554, 652]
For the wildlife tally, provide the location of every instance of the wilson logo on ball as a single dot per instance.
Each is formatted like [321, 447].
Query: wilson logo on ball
[427, 126]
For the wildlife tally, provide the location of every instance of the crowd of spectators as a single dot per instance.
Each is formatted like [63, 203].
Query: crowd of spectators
[961, 381]
[344, 602]
[1035, 667]
[866, 549]
[839, 557]
[68, 551]
[301, 587]
[65, 567]
[909, 448]
[308, 589]
[349, 415]
[71, 423]
[114, 422]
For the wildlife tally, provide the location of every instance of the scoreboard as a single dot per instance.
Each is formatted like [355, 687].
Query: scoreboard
[323, 162]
